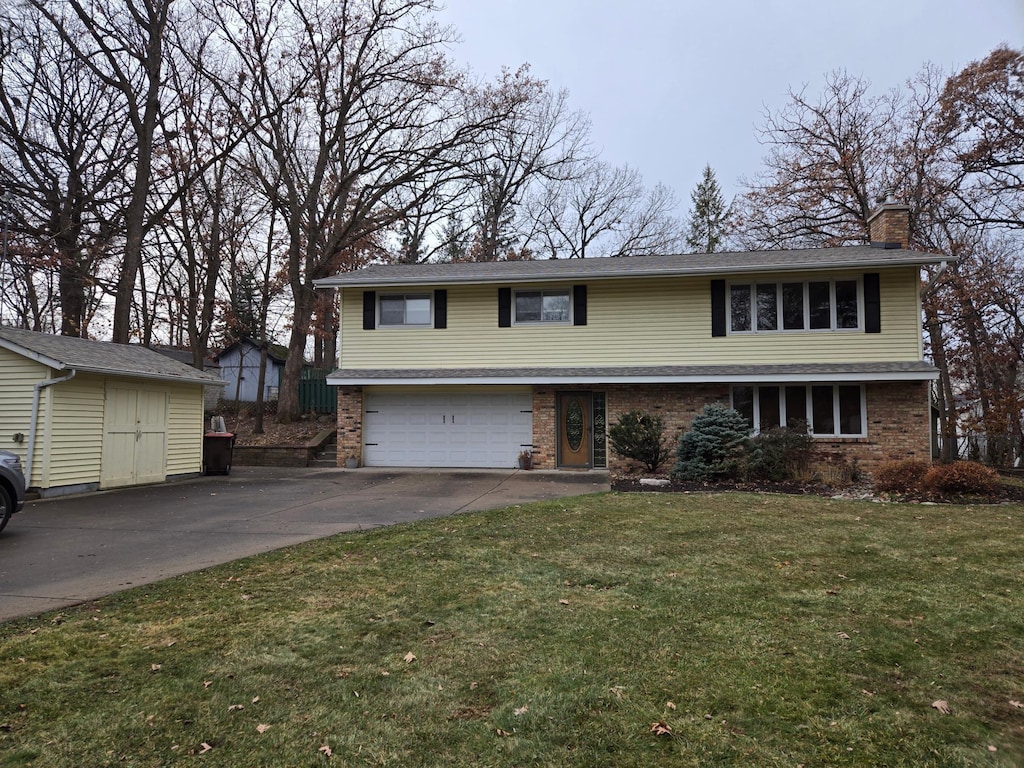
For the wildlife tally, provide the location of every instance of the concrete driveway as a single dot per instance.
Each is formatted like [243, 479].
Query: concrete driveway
[61, 552]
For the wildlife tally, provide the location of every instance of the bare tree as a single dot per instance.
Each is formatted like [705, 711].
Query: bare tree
[601, 210]
[64, 156]
[121, 42]
[541, 140]
[363, 107]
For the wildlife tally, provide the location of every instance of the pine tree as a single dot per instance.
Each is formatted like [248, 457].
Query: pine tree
[709, 219]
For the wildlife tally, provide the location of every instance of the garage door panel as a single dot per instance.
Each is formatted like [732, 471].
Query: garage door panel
[461, 429]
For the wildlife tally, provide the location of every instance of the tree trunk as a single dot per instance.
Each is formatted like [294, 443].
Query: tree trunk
[288, 407]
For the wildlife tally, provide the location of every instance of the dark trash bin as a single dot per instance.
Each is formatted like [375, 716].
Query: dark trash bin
[217, 450]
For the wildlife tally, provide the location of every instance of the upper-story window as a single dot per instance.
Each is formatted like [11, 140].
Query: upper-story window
[795, 306]
[405, 309]
[542, 306]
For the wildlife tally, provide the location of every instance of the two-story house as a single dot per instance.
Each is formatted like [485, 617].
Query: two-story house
[466, 365]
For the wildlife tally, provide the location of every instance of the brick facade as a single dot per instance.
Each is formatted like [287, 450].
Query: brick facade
[350, 423]
[897, 415]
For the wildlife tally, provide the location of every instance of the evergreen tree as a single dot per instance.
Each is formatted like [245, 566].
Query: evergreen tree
[709, 218]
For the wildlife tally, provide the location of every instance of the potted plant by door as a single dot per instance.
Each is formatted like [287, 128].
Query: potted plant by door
[525, 459]
[352, 462]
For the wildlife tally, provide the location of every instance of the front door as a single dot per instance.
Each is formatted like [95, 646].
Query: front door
[575, 429]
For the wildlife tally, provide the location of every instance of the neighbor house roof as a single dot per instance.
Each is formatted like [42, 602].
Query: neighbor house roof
[733, 374]
[64, 353]
[275, 352]
[547, 270]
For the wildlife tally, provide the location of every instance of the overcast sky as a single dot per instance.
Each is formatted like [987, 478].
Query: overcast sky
[673, 85]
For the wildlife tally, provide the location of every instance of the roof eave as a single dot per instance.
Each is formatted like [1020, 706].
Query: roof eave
[349, 280]
[339, 379]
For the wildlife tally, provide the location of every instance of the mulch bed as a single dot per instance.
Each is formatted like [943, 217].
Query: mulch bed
[1009, 493]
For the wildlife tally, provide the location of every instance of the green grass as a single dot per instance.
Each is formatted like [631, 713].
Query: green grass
[763, 630]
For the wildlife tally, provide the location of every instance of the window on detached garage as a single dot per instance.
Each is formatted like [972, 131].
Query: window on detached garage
[828, 410]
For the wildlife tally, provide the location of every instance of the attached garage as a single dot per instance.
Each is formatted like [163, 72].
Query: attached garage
[458, 427]
[85, 415]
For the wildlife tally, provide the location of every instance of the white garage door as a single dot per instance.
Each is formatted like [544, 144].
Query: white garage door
[439, 429]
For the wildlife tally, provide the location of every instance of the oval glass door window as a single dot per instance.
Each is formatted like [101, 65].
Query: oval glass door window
[574, 425]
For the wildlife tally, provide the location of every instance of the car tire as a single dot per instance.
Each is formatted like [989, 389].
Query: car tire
[6, 507]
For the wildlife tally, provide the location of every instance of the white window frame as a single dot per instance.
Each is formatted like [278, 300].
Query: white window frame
[809, 406]
[833, 306]
[405, 298]
[567, 292]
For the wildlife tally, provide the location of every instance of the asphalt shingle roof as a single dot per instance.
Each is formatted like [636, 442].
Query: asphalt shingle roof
[854, 257]
[85, 355]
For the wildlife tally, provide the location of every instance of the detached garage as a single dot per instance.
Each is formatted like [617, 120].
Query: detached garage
[464, 427]
[86, 415]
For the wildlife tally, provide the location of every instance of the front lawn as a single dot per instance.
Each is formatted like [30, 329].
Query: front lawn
[615, 630]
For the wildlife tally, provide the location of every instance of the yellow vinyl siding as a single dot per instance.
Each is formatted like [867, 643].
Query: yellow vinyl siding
[637, 322]
[74, 436]
[185, 430]
[18, 377]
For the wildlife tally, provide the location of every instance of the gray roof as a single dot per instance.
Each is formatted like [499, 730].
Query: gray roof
[868, 371]
[64, 353]
[546, 270]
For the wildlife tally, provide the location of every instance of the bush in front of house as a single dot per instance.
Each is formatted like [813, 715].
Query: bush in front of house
[779, 454]
[714, 447]
[961, 478]
[640, 436]
[904, 476]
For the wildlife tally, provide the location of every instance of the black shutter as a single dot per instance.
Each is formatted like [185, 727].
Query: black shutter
[369, 310]
[872, 303]
[579, 305]
[441, 308]
[718, 307]
[504, 307]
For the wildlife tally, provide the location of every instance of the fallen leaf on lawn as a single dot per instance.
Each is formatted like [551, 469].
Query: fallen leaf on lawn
[521, 710]
[326, 750]
[255, 699]
[842, 636]
[262, 728]
[992, 748]
[204, 747]
[661, 728]
[942, 706]
[671, 705]
[474, 686]
[155, 667]
[502, 733]
[410, 657]
[233, 707]
[563, 601]
[1017, 704]
[616, 691]
[207, 683]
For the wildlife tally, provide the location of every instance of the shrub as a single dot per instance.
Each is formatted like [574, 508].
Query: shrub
[903, 476]
[961, 478]
[714, 446]
[779, 454]
[640, 436]
[837, 470]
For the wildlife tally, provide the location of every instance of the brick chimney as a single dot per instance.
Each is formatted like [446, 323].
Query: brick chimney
[889, 225]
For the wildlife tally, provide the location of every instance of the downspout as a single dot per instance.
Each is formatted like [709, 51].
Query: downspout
[35, 420]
